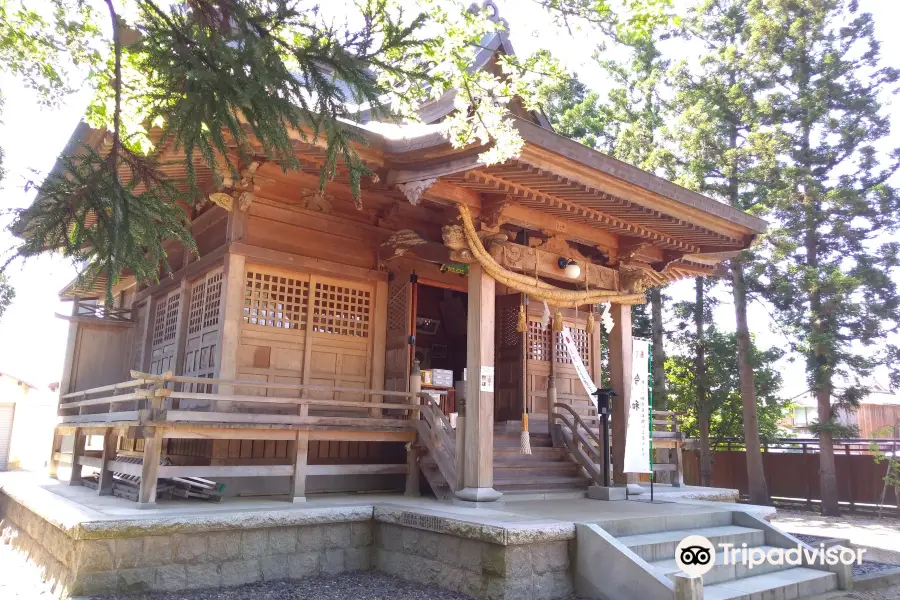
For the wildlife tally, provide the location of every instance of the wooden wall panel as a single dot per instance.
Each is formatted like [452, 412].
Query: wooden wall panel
[102, 356]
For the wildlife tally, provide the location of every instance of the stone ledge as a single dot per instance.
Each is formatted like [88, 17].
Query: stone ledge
[479, 528]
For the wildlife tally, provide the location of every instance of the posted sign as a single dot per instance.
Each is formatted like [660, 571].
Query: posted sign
[637, 437]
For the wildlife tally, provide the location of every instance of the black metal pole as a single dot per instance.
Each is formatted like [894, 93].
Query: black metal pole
[604, 420]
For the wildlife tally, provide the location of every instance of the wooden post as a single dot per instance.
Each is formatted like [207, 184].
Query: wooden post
[77, 453]
[379, 343]
[850, 478]
[298, 479]
[677, 478]
[479, 434]
[53, 464]
[110, 445]
[620, 378]
[807, 472]
[412, 453]
[150, 469]
[551, 390]
[184, 311]
[460, 444]
[231, 319]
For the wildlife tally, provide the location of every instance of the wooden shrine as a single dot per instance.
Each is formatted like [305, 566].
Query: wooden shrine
[283, 359]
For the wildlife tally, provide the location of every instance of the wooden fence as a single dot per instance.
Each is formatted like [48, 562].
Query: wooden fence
[792, 470]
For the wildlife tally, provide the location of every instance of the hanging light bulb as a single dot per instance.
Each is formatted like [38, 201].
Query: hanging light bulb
[570, 267]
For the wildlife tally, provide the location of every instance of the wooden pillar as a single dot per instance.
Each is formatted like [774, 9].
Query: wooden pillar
[77, 453]
[379, 343]
[551, 390]
[298, 479]
[412, 453]
[479, 434]
[110, 445]
[53, 463]
[620, 378]
[231, 319]
[150, 469]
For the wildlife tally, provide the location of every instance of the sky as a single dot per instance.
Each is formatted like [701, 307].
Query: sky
[33, 339]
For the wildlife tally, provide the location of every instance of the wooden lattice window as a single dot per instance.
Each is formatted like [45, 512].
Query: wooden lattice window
[171, 329]
[203, 331]
[213, 300]
[538, 341]
[159, 323]
[165, 332]
[507, 320]
[398, 318]
[195, 315]
[341, 310]
[275, 301]
[582, 341]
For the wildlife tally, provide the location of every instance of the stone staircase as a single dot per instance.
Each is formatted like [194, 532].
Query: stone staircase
[655, 539]
[546, 470]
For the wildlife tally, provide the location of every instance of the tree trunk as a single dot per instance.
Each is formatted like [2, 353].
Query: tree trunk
[700, 379]
[821, 369]
[660, 401]
[756, 476]
[827, 472]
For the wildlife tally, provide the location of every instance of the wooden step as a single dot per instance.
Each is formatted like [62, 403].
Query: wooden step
[540, 483]
[529, 460]
[531, 473]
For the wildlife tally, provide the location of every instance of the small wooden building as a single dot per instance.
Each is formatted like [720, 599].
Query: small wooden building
[281, 359]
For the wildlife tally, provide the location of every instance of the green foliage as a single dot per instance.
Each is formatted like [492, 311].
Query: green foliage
[95, 215]
[7, 294]
[723, 387]
[43, 43]
[227, 81]
[831, 259]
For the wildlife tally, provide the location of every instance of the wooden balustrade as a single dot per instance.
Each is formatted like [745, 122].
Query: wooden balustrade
[161, 398]
[102, 312]
[439, 437]
[586, 448]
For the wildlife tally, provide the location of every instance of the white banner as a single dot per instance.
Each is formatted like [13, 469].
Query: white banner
[637, 437]
[583, 375]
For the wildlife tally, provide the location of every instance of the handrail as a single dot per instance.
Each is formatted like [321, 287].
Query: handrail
[439, 438]
[580, 422]
[168, 377]
[577, 446]
[103, 312]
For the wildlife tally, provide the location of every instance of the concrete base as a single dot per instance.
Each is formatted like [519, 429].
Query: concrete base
[635, 490]
[478, 494]
[597, 492]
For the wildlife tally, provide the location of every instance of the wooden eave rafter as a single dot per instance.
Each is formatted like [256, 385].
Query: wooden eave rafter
[556, 206]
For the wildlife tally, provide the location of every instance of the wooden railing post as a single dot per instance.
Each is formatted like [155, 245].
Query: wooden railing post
[412, 451]
[460, 442]
[77, 453]
[298, 480]
[110, 445]
[150, 469]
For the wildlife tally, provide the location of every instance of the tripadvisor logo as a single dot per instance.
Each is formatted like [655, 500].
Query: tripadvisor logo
[696, 555]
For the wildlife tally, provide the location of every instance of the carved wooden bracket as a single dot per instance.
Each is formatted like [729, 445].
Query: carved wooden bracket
[413, 190]
[558, 245]
[241, 192]
[669, 257]
[492, 211]
[316, 200]
[634, 280]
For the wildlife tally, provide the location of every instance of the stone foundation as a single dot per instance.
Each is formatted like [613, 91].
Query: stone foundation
[478, 559]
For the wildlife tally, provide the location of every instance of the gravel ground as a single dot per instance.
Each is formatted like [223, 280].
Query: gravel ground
[891, 593]
[868, 566]
[349, 586]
